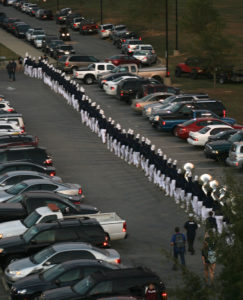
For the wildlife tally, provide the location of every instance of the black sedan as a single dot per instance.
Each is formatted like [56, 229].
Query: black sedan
[64, 274]
[63, 50]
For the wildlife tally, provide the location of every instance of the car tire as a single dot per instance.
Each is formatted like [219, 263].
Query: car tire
[89, 79]
[177, 72]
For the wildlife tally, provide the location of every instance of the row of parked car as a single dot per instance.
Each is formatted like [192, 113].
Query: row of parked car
[49, 241]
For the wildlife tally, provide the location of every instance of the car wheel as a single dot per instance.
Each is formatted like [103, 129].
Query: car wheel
[89, 79]
[178, 72]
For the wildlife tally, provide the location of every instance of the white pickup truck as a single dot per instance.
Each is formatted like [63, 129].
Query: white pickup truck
[112, 224]
[89, 74]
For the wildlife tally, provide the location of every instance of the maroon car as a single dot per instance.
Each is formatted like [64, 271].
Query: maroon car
[123, 59]
[7, 141]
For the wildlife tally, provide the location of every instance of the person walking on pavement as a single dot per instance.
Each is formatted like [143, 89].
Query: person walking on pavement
[191, 228]
[209, 261]
[178, 242]
[211, 224]
[11, 67]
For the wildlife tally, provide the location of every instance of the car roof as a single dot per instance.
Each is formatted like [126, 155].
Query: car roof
[11, 163]
[219, 126]
[22, 172]
[72, 246]
[87, 262]
[39, 181]
[21, 148]
[123, 273]
[44, 194]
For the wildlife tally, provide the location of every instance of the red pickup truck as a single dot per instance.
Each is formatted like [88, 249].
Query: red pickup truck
[87, 27]
[192, 66]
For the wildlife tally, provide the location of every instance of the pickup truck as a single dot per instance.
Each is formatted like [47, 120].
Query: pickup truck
[168, 123]
[88, 26]
[157, 73]
[90, 73]
[22, 205]
[112, 224]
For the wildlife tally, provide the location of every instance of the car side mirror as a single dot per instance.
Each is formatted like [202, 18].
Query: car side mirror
[47, 263]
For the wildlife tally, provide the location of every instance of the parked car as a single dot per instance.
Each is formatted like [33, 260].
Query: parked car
[23, 165]
[75, 23]
[112, 282]
[233, 75]
[224, 135]
[110, 87]
[20, 206]
[21, 30]
[194, 125]
[61, 16]
[35, 33]
[89, 74]
[200, 138]
[7, 128]
[117, 30]
[138, 104]
[131, 88]
[52, 45]
[44, 14]
[193, 66]
[38, 41]
[56, 254]
[146, 57]
[33, 154]
[104, 79]
[45, 234]
[5, 107]
[71, 63]
[235, 158]
[121, 38]
[129, 46]
[87, 27]
[219, 150]
[11, 178]
[122, 59]
[63, 50]
[70, 189]
[46, 41]
[70, 17]
[104, 30]
[7, 141]
[60, 275]
[29, 8]
[33, 11]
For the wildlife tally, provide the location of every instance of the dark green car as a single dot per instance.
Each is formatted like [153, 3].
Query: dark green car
[219, 150]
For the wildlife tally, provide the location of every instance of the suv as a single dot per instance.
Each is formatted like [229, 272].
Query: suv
[193, 66]
[88, 26]
[132, 88]
[44, 234]
[235, 158]
[129, 46]
[104, 30]
[61, 16]
[46, 41]
[32, 154]
[18, 140]
[71, 63]
[44, 14]
[130, 281]
[75, 23]
[63, 50]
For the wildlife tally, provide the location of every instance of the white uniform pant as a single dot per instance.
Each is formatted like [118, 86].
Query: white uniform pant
[103, 135]
[172, 187]
[219, 220]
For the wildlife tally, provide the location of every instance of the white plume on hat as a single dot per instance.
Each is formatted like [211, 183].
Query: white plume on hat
[153, 147]
[138, 136]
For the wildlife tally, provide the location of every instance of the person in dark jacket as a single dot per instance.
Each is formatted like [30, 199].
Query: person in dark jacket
[11, 69]
[178, 241]
[191, 228]
[211, 224]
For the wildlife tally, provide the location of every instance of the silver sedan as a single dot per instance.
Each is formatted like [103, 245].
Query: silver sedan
[146, 57]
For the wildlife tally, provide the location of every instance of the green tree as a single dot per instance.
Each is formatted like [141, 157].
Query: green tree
[206, 30]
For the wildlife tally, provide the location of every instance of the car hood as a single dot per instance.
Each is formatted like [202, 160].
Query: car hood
[12, 228]
[30, 282]
[11, 242]
[63, 294]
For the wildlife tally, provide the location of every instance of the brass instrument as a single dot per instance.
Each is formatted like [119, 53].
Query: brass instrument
[205, 178]
[188, 167]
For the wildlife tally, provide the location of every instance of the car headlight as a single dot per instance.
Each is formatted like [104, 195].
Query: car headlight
[1, 250]
[16, 273]
[215, 151]
[156, 118]
[21, 292]
[63, 34]
[68, 34]
[1, 235]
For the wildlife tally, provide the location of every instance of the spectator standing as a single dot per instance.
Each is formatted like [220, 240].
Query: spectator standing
[178, 242]
[191, 228]
[9, 70]
[209, 261]
[151, 293]
[20, 63]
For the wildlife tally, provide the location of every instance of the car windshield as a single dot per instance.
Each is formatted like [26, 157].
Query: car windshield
[146, 98]
[17, 188]
[53, 273]
[30, 233]
[63, 58]
[118, 79]
[169, 99]
[173, 107]
[31, 219]
[66, 47]
[143, 53]
[84, 285]
[107, 27]
[43, 255]
[15, 199]
[38, 32]
[189, 122]
[204, 130]
[236, 137]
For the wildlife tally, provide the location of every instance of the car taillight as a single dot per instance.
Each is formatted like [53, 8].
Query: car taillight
[112, 88]
[74, 24]
[124, 229]
[118, 261]
[22, 131]
[53, 173]
[140, 38]
[66, 63]
[128, 46]
[237, 164]
[59, 18]
[80, 191]
[13, 27]
[168, 74]
[102, 30]
[84, 27]
[76, 74]
[10, 109]
[96, 26]
[195, 139]
[164, 296]
[224, 113]
[163, 123]
[121, 93]
[48, 161]
[77, 202]
[138, 105]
